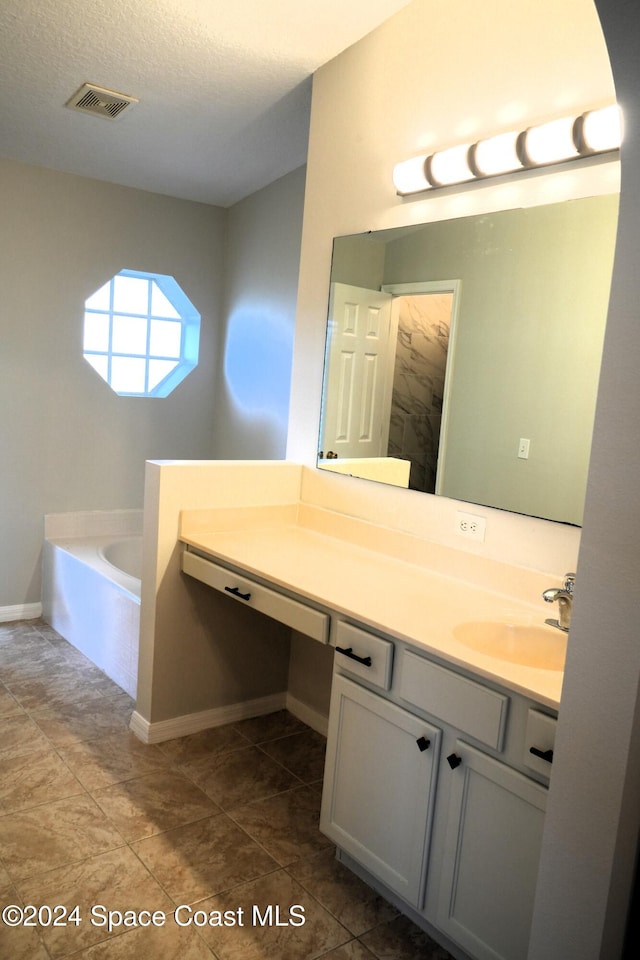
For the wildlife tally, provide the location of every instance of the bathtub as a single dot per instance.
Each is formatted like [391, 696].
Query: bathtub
[124, 558]
[91, 587]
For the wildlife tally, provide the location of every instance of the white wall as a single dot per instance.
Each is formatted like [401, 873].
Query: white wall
[434, 75]
[254, 360]
[68, 441]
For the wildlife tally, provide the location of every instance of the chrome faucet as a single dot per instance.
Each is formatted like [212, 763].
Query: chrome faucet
[564, 596]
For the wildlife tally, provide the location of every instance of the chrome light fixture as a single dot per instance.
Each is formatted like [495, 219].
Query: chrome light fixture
[567, 138]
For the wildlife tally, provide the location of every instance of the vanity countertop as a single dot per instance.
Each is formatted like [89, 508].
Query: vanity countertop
[402, 599]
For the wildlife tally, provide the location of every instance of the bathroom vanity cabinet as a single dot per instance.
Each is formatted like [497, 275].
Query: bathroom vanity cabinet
[438, 756]
[446, 812]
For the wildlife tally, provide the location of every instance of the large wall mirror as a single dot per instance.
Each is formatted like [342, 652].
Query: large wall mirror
[463, 356]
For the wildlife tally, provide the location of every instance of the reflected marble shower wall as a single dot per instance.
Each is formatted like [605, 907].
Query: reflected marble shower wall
[418, 383]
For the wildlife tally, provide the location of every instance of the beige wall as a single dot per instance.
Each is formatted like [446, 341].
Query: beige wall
[435, 74]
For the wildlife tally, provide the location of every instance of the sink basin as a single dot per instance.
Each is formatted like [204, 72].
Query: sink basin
[527, 644]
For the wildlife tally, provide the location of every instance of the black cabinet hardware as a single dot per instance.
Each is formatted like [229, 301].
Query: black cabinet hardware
[423, 743]
[348, 652]
[454, 760]
[543, 754]
[236, 592]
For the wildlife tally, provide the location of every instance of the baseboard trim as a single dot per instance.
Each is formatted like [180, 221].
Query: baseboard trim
[195, 722]
[317, 721]
[20, 611]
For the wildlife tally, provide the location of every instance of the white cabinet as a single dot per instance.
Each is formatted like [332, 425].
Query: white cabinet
[493, 831]
[379, 785]
[452, 828]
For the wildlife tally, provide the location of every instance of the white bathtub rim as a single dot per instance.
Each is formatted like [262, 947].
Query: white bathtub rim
[89, 552]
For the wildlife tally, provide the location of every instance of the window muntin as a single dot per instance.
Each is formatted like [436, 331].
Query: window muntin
[141, 334]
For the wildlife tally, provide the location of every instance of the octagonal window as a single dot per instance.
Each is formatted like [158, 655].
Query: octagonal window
[141, 334]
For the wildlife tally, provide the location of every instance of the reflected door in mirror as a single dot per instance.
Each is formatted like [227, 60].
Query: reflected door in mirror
[355, 420]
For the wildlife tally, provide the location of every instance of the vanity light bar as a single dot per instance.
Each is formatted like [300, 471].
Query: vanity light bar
[568, 138]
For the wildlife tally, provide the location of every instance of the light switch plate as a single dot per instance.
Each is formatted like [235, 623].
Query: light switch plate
[523, 448]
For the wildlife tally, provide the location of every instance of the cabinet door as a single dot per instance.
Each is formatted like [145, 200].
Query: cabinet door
[490, 864]
[378, 786]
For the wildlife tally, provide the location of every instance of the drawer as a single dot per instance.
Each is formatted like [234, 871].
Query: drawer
[293, 613]
[362, 654]
[454, 699]
[539, 739]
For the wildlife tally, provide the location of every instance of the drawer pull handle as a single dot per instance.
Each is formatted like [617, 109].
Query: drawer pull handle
[454, 760]
[348, 652]
[423, 744]
[236, 592]
[543, 754]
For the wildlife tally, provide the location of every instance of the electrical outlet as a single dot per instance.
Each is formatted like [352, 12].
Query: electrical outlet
[468, 525]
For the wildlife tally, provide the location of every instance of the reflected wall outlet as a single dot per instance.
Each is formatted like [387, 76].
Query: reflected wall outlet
[468, 525]
[523, 448]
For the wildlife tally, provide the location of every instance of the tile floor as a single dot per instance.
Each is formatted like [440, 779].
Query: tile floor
[225, 820]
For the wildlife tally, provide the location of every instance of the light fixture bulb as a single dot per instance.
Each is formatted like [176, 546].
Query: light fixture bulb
[449, 166]
[496, 155]
[550, 142]
[601, 130]
[410, 176]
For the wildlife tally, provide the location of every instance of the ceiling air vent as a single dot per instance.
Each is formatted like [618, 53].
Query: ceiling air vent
[100, 102]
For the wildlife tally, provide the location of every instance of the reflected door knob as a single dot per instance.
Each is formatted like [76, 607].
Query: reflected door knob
[542, 754]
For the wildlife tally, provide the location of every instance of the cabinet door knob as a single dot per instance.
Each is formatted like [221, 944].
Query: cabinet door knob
[543, 754]
[423, 744]
[454, 760]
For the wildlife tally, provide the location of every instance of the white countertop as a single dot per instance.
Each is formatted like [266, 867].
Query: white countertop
[405, 600]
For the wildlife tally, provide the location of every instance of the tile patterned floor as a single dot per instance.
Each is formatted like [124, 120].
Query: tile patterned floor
[224, 822]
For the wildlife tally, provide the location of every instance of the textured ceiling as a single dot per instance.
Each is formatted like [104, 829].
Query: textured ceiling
[224, 86]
